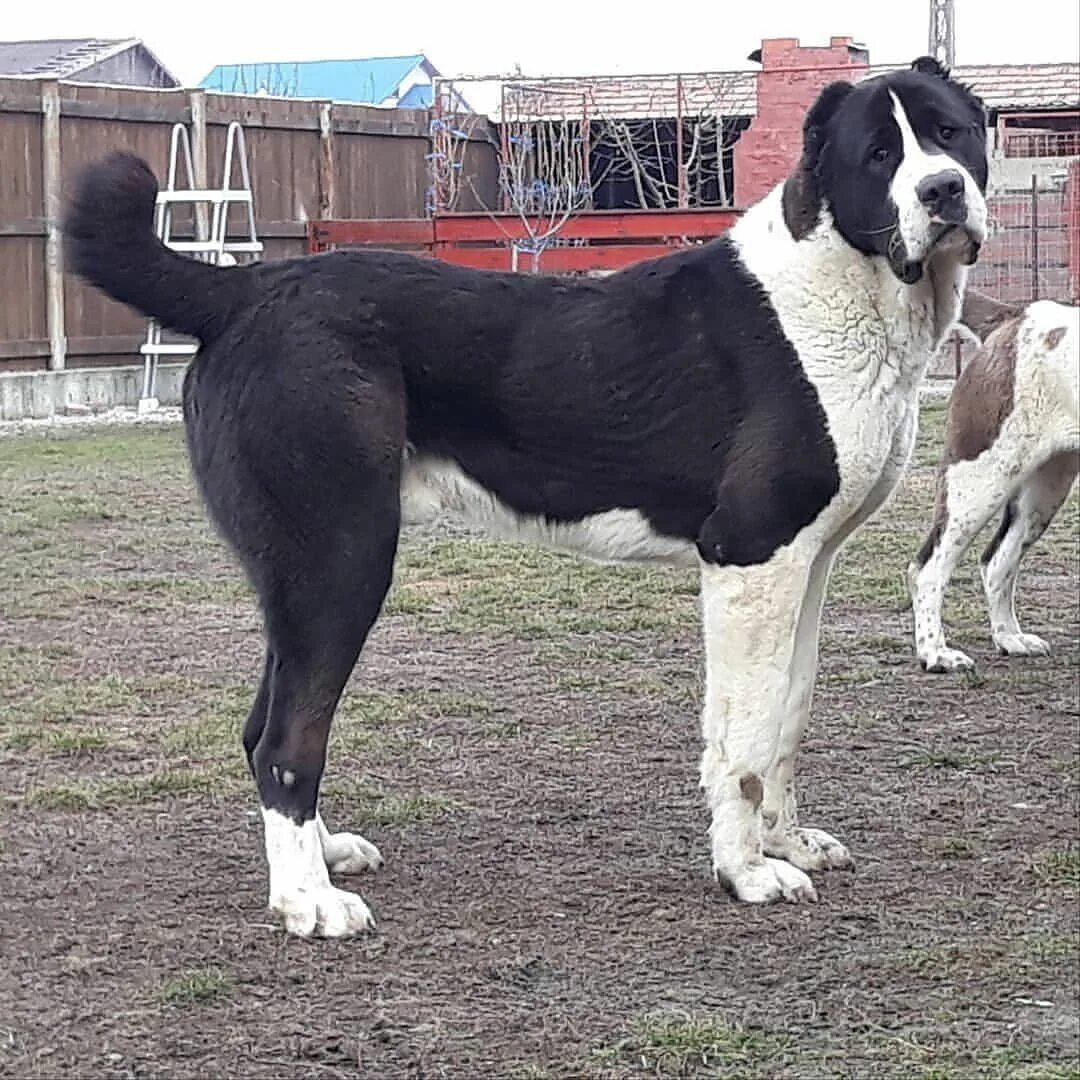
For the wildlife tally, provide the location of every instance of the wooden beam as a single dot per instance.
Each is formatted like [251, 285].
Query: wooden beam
[23, 227]
[556, 260]
[104, 345]
[54, 253]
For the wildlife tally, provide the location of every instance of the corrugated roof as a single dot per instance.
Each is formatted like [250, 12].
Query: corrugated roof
[734, 93]
[60, 58]
[367, 81]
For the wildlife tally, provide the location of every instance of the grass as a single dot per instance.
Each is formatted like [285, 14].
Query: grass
[1008, 957]
[473, 586]
[678, 1045]
[393, 809]
[108, 793]
[1059, 868]
[54, 698]
[951, 758]
[362, 803]
[130, 649]
[954, 847]
[198, 986]
[71, 741]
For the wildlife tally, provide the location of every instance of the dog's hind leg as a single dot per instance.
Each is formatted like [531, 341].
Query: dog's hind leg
[301, 470]
[1026, 517]
[316, 624]
[344, 853]
[751, 616]
[256, 720]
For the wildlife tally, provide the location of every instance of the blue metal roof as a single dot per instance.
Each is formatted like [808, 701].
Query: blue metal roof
[366, 81]
[417, 97]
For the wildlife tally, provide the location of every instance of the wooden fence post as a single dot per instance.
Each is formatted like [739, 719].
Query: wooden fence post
[327, 185]
[51, 197]
[199, 155]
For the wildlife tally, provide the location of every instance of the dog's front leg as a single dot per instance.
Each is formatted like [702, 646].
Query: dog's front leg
[808, 849]
[751, 616]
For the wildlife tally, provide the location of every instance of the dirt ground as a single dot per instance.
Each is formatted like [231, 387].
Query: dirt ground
[521, 741]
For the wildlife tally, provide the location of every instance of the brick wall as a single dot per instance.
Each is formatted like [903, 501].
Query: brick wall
[791, 77]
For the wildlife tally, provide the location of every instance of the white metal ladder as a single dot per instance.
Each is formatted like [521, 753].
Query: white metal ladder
[211, 245]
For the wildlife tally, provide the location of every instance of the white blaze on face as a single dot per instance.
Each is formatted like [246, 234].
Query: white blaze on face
[916, 165]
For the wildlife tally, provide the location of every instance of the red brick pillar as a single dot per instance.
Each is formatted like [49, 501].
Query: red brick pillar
[1072, 225]
[791, 77]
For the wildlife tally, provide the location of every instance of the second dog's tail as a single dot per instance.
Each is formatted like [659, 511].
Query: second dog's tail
[110, 241]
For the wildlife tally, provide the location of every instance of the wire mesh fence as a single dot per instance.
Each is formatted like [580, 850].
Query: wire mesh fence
[1031, 253]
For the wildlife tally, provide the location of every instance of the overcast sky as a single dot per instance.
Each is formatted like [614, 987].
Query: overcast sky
[544, 36]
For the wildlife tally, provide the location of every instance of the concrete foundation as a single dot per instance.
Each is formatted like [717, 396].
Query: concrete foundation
[36, 395]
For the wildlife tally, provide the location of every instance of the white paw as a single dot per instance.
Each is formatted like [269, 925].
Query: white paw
[324, 912]
[808, 849]
[1022, 645]
[347, 853]
[768, 880]
[940, 660]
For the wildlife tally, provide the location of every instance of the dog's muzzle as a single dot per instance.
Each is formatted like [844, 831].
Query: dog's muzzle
[963, 238]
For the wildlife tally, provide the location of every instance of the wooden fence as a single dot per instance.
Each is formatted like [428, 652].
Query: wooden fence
[313, 162]
[593, 240]
[308, 159]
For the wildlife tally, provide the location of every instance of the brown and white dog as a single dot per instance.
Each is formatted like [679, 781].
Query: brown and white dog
[1012, 440]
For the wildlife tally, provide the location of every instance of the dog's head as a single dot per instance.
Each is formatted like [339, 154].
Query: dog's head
[899, 161]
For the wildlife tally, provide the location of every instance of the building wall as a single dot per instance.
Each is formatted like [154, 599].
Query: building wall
[133, 67]
[1015, 173]
[790, 79]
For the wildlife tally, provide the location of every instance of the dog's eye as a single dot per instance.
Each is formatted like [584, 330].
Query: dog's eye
[946, 132]
[880, 153]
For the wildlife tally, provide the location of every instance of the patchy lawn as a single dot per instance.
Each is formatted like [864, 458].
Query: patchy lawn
[521, 741]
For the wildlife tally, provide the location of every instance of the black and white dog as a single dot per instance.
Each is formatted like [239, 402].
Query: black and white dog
[740, 407]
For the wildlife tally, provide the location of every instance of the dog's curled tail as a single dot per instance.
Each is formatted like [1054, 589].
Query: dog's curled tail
[110, 241]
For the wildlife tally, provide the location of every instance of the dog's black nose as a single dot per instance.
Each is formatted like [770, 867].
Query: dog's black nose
[941, 193]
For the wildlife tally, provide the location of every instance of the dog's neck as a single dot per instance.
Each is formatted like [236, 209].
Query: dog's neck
[946, 275]
[821, 286]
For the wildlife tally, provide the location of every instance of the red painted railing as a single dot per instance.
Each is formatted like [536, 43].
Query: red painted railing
[591, 240]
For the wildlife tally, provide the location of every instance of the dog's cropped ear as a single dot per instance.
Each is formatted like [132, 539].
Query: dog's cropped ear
[929, 65]
[802, 197]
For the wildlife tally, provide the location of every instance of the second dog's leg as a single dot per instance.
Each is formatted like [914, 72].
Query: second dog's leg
[1025, 520]
[973, 491]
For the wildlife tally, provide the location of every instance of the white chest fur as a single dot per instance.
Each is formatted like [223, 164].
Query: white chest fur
[864, 340]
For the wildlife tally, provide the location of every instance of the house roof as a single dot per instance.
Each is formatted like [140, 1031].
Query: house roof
[1023, 86]
[417, 97]
[368, 81]
[58, 59]
[734, 93]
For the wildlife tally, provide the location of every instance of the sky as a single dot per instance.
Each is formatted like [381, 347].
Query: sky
[545, 37]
